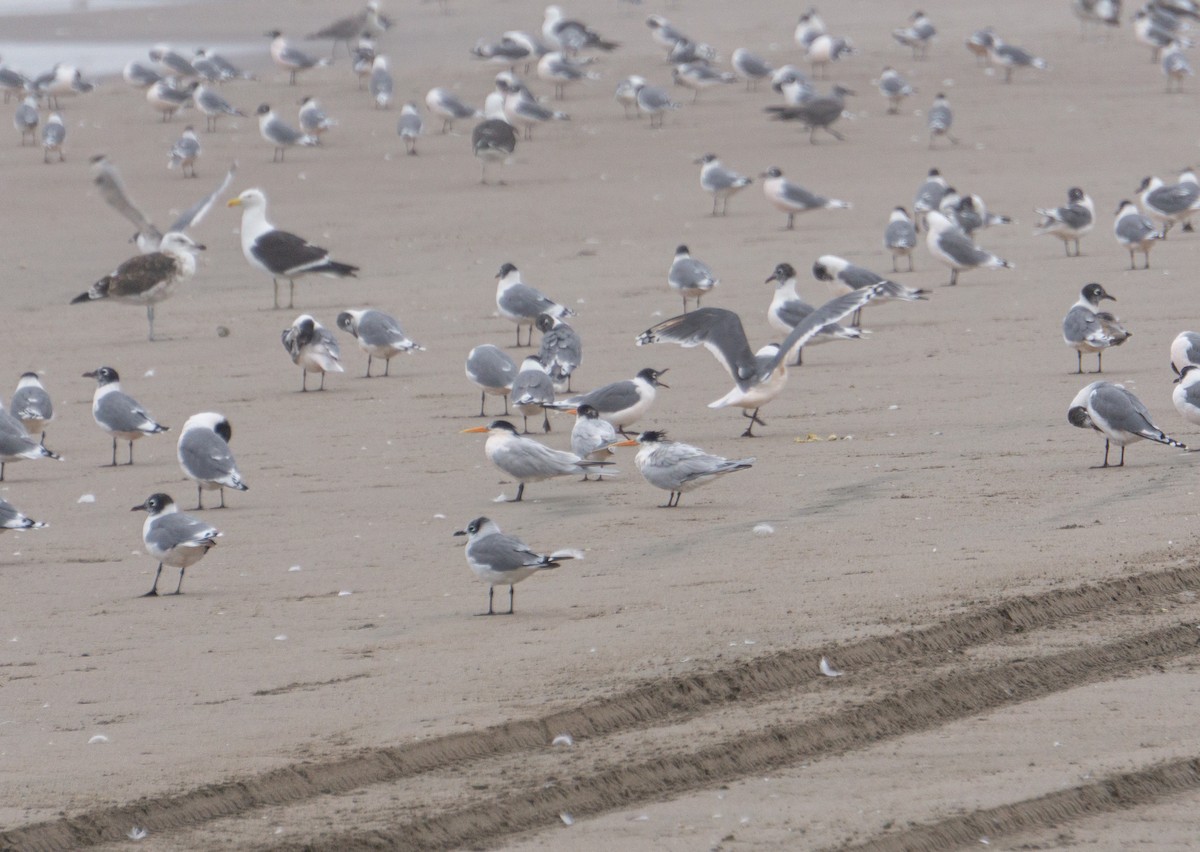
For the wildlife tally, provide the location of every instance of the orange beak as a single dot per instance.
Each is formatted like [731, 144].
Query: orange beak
[629, 443]
[474, 429]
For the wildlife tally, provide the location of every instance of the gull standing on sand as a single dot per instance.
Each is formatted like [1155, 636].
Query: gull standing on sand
[380, 84]
[31, 404]
[592, 437]
[917, 35]
[808, 28]
[173, 538]
[847, 277]
[1116, 414]
[532, 390]
[760, 376]
[826, 49]
[698, 76]
[147, 279]
[940, 120]
[1186, 395]
[788, 310]
[1175, 67]
[205, 457]
[378, 334]
[1185, 350]
[522, 304]
[750, 67]
[556, 68]
[818, 112]
[16, 444]
[1069, 222]
[1086, 328]
[409, 126]
[561, 350]
[1100, 12]
[1135, 232]
[791, 198]
[289, 58]
[929, 195]
[653, 101]
[54, 134]
[494, 139]
[895, 88]
[626, 94]
[492, 371]
[26, 119]
[900, 237]
[136, 75]
[521, 109]
[11, 518]
[525, 460]
[166, 97]
[1010, 57]
[172, 62]
[281, 254]
[444, 103]
[312, 348]
[689, 277]
[215, 68]
[213, 105]
[979, 42]
[950, 245]
[1169, 205]
[119, 414]
[280, 134]
[624, 402]
[720, 181]
[313, 119]
[503, 560]
[571, 36]
[677, 467]
[185, 152]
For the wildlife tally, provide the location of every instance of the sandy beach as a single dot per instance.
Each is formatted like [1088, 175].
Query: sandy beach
[1012, 624]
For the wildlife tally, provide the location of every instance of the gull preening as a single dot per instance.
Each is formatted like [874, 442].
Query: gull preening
[378, 334]
[147, 279]
[205, 457]
[12, 518]
[561, 350]
[1086, 328]
[1070, 222]
[525, 460]
[312, 348]
[173, 538]
[1118, 415]
[503, 560]
[119, 414]
[677, 467]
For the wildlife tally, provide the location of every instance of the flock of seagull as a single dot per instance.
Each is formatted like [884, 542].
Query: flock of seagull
[564, 55]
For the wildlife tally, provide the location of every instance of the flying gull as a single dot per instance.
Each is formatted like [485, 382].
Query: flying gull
[522, 304]
[378, 334]
[677, 467]
[312, 348]
[492, 371]
[1086, 328]
[119, 414]
[503, 560]
[173, 538]
[205, 457]
[1069, 222]
[1116, 414]
[281, 254]
[525, 460]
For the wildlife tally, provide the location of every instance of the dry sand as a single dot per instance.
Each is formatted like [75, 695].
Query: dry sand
[957, 484]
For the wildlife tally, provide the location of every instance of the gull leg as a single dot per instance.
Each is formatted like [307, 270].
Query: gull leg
[322, 387]
[304, 381]
[179, 588]
[506, 405]
[275, 281]
[153, 593]
[150, 318]
[131, 452]
[199, 498]
[482, 397]
[510, 600]
[368, 366]
[1099, 362]
[520, 493]
[491, 591]
[291, 292]
[953, 277]
[222, 490]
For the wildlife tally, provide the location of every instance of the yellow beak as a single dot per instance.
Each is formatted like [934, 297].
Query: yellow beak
[234, 202]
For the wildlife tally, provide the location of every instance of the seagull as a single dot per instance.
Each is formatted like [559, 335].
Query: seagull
[119, 414]
[166, 97]
[825, 49]
[281, 254]
[409, 126]
[1157, 31]
[697, 53]
[493, 139]
[930, 194]
[720, 181]
[561, 350]
[979, 42]
[362, 59]
[532, 390]
[1175, 67]
[173, 63]
[1169, 205]
[32, 405]
[279, 133]
[560, 70]
[1186, 395]
[61, 80]
[895, 88]
[17, 444]
[900, 237]
[1070, 222]
[54, 133]
[173, 538]
[758, 377]
[215, 68]
[791, 198]
[444, 103]
[526, 460]
[971, 214]
[847, 277]
[205, 456]
[313, 119]
[492, 371]
[788, 310]
[677, 467]
[689, 277]
[939, 120]
[653, 101]
[626, 94]
[571, 36]
[1086, 328]
[521, 109]
[750, 67]
[816, 113]
[291, 59]
[498, 559]
[368, 21]
[147, 279]
[26, 118]
[11, 518]
[1135, 232]
[1116, 414]
[378, 334]
[664, 32]
[139, 76]
[148, 238]
[917, 35]
[13, 82]
[506, 51]
[949, 244]
[624, 402]
[380, 84]
[1010, 57]
[698, 76]
[185, 152]
[1185, 350]
[808, 28]
[592, 437]
[213, 105]
[312, 348]
[522, 304]
[1104, 12]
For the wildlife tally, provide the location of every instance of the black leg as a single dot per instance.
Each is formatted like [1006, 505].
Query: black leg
[153, 593]
[179, 588]
[131, 452]
[199, 498]
[491, 592]
[510, 600]
[222, 489]
[482, 397]
[1078, 363]
[520, 493]
[114, 461]
[368, 366]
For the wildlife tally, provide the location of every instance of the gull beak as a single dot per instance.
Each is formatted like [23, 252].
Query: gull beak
[141, 507]
[199, 247]
[1178, 379]
[90, 374]
[629, 443]
[460, 532]
[1110, 298]
[474, 429]
[234, 202]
